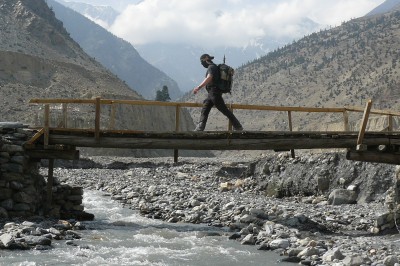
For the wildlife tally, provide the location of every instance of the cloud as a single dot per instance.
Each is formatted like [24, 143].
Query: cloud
[211, 23]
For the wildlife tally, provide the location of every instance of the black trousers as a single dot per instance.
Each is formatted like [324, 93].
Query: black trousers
[214, 98]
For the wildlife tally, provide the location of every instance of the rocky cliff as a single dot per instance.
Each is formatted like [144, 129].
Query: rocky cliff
[38, 59]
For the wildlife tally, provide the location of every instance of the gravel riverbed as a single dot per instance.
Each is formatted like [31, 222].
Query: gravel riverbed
[223, 192]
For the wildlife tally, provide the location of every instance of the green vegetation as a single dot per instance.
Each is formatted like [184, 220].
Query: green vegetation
[163, 95]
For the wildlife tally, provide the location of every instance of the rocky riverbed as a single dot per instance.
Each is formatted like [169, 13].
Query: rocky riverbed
[315, 209]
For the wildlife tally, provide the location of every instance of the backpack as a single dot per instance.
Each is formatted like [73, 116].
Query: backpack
[226, 77]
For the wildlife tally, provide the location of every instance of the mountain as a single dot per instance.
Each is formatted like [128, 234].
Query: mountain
[39, 59]
[102, 15]
[342, 66]
[181, 61]
[388, 5]
[117, 55]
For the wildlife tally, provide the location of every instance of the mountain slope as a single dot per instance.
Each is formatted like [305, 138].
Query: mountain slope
[38, 59]
[343, 66]
[117, 55]
[387, 6]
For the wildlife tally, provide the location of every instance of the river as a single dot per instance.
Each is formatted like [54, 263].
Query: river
[120, 236]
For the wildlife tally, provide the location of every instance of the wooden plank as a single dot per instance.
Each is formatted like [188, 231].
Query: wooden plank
[390, 122]
[373, 111]
[214, 144]
[64, 116]
[35, 137]
[53, 154]
[364, 122]
[177, 128]
[229, 121]
[58, 101]
[291, 129]
[376, 157]
[288, 108]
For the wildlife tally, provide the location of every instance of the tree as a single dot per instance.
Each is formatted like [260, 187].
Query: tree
[163, 94]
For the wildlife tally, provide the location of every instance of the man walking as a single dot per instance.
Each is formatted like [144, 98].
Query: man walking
[214, 96]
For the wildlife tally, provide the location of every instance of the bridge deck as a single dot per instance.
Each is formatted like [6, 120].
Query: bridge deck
[219, 140]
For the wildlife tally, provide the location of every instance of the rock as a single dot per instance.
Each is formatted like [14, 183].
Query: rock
[37, 240]
[279, 243]
[7, 204]
[353, 260]
[293, 252]
[12, 125]
[6, 239]
[342, 196]
[248, 240]
[235, 236]
[308, 252]
[333, 254]
[390, 260]
[247, 219]
[323, 183]
[264, 246]
[3, 213]
[259, 213]
[228, 206]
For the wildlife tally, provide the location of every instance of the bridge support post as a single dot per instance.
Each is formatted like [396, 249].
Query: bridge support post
[50, 181]
[291, 129]
[46, 125]
[364, 123]
[177, 122]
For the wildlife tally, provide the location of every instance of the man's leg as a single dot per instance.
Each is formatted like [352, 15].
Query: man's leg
[205, 111]
[221, 106]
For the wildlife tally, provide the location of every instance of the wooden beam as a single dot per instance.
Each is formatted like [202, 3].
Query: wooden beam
[375, 157]
[291, 130]
[46, 124]
[219, 143]
[35, 137]
[53, 154]
[112, 116]
[390, 122]
[177, 128]
[64, 116]
[229, 121]
[364, 122]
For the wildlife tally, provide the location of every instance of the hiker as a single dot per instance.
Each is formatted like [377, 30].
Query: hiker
[214, 96]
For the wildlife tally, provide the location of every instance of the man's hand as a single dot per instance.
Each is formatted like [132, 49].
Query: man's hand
[196, 90]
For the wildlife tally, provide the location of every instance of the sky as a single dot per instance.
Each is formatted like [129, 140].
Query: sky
[213, 23]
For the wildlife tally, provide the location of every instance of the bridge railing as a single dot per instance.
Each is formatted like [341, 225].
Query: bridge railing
[98, 102]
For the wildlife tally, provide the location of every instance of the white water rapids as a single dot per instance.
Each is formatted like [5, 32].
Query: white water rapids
[120, 236]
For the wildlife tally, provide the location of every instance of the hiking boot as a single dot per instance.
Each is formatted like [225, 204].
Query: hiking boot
[239, 128]
[200, 127]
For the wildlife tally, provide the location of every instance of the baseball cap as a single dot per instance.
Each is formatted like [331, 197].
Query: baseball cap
[206, 56]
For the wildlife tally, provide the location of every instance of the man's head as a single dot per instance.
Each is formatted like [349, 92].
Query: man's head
[206, 59]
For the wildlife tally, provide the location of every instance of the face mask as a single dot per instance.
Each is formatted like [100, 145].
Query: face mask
[204, 64]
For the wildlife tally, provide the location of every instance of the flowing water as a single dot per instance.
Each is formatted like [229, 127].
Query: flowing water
[120, 236]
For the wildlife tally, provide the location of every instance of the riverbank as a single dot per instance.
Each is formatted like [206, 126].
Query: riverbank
[230, 193]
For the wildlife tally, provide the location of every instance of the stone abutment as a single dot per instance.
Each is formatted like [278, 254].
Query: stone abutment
[23, 189]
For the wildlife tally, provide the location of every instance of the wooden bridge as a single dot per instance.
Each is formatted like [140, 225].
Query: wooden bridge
[60, 142]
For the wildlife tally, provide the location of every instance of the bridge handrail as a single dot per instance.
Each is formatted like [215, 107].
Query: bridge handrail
[289, 109]
[233, 106]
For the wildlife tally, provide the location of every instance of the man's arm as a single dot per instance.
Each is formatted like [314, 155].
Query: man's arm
[207, 80]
